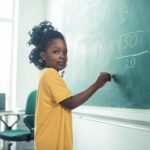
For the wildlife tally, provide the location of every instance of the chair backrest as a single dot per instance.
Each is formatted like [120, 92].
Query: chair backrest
[2, 101]
[30, 106]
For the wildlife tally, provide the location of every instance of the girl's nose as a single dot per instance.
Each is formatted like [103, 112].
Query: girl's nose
[62, 55]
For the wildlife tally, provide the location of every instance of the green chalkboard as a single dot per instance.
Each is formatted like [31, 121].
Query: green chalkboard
[113, 36]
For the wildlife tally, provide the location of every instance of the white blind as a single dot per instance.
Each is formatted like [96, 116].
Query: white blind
[6, 24]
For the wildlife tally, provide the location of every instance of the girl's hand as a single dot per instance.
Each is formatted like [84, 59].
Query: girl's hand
[102, 79]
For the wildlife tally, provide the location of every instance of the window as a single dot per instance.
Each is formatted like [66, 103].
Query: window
[6, 9]
[5, 51]
[7, 22]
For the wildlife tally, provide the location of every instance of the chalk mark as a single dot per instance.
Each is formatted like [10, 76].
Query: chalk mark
[128, 33]
[133, 55]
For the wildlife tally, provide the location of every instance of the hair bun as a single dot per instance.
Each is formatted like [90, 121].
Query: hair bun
[38, 32]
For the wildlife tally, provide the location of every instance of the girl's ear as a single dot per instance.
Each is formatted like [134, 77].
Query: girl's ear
[43, 55]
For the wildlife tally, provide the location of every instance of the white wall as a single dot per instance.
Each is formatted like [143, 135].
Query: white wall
[103, 134]
[90, 135]
[31, 12]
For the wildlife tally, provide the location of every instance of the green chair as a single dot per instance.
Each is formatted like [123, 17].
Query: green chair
[10, 134]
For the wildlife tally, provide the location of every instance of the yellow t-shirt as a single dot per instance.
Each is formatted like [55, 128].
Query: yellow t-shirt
[53, 123]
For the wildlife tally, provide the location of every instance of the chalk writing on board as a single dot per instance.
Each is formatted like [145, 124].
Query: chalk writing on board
[133, 55]
[130, 63]
[131, 41]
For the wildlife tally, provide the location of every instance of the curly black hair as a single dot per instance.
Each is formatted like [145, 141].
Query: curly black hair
[39, 37]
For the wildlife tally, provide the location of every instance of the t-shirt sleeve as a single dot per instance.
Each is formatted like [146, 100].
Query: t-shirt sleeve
[57, 86]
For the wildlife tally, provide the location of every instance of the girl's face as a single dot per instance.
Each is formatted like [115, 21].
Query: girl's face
[56, 54]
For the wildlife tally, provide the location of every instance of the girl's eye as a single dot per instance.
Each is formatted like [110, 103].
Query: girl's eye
[56, 52]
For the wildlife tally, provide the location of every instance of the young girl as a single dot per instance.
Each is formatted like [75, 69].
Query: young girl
[53, 119]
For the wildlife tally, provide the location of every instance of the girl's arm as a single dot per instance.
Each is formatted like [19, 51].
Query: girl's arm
[78, 99]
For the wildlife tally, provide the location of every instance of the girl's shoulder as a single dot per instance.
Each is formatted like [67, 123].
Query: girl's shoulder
[49, 72]
[52, 70]
[50, 75]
